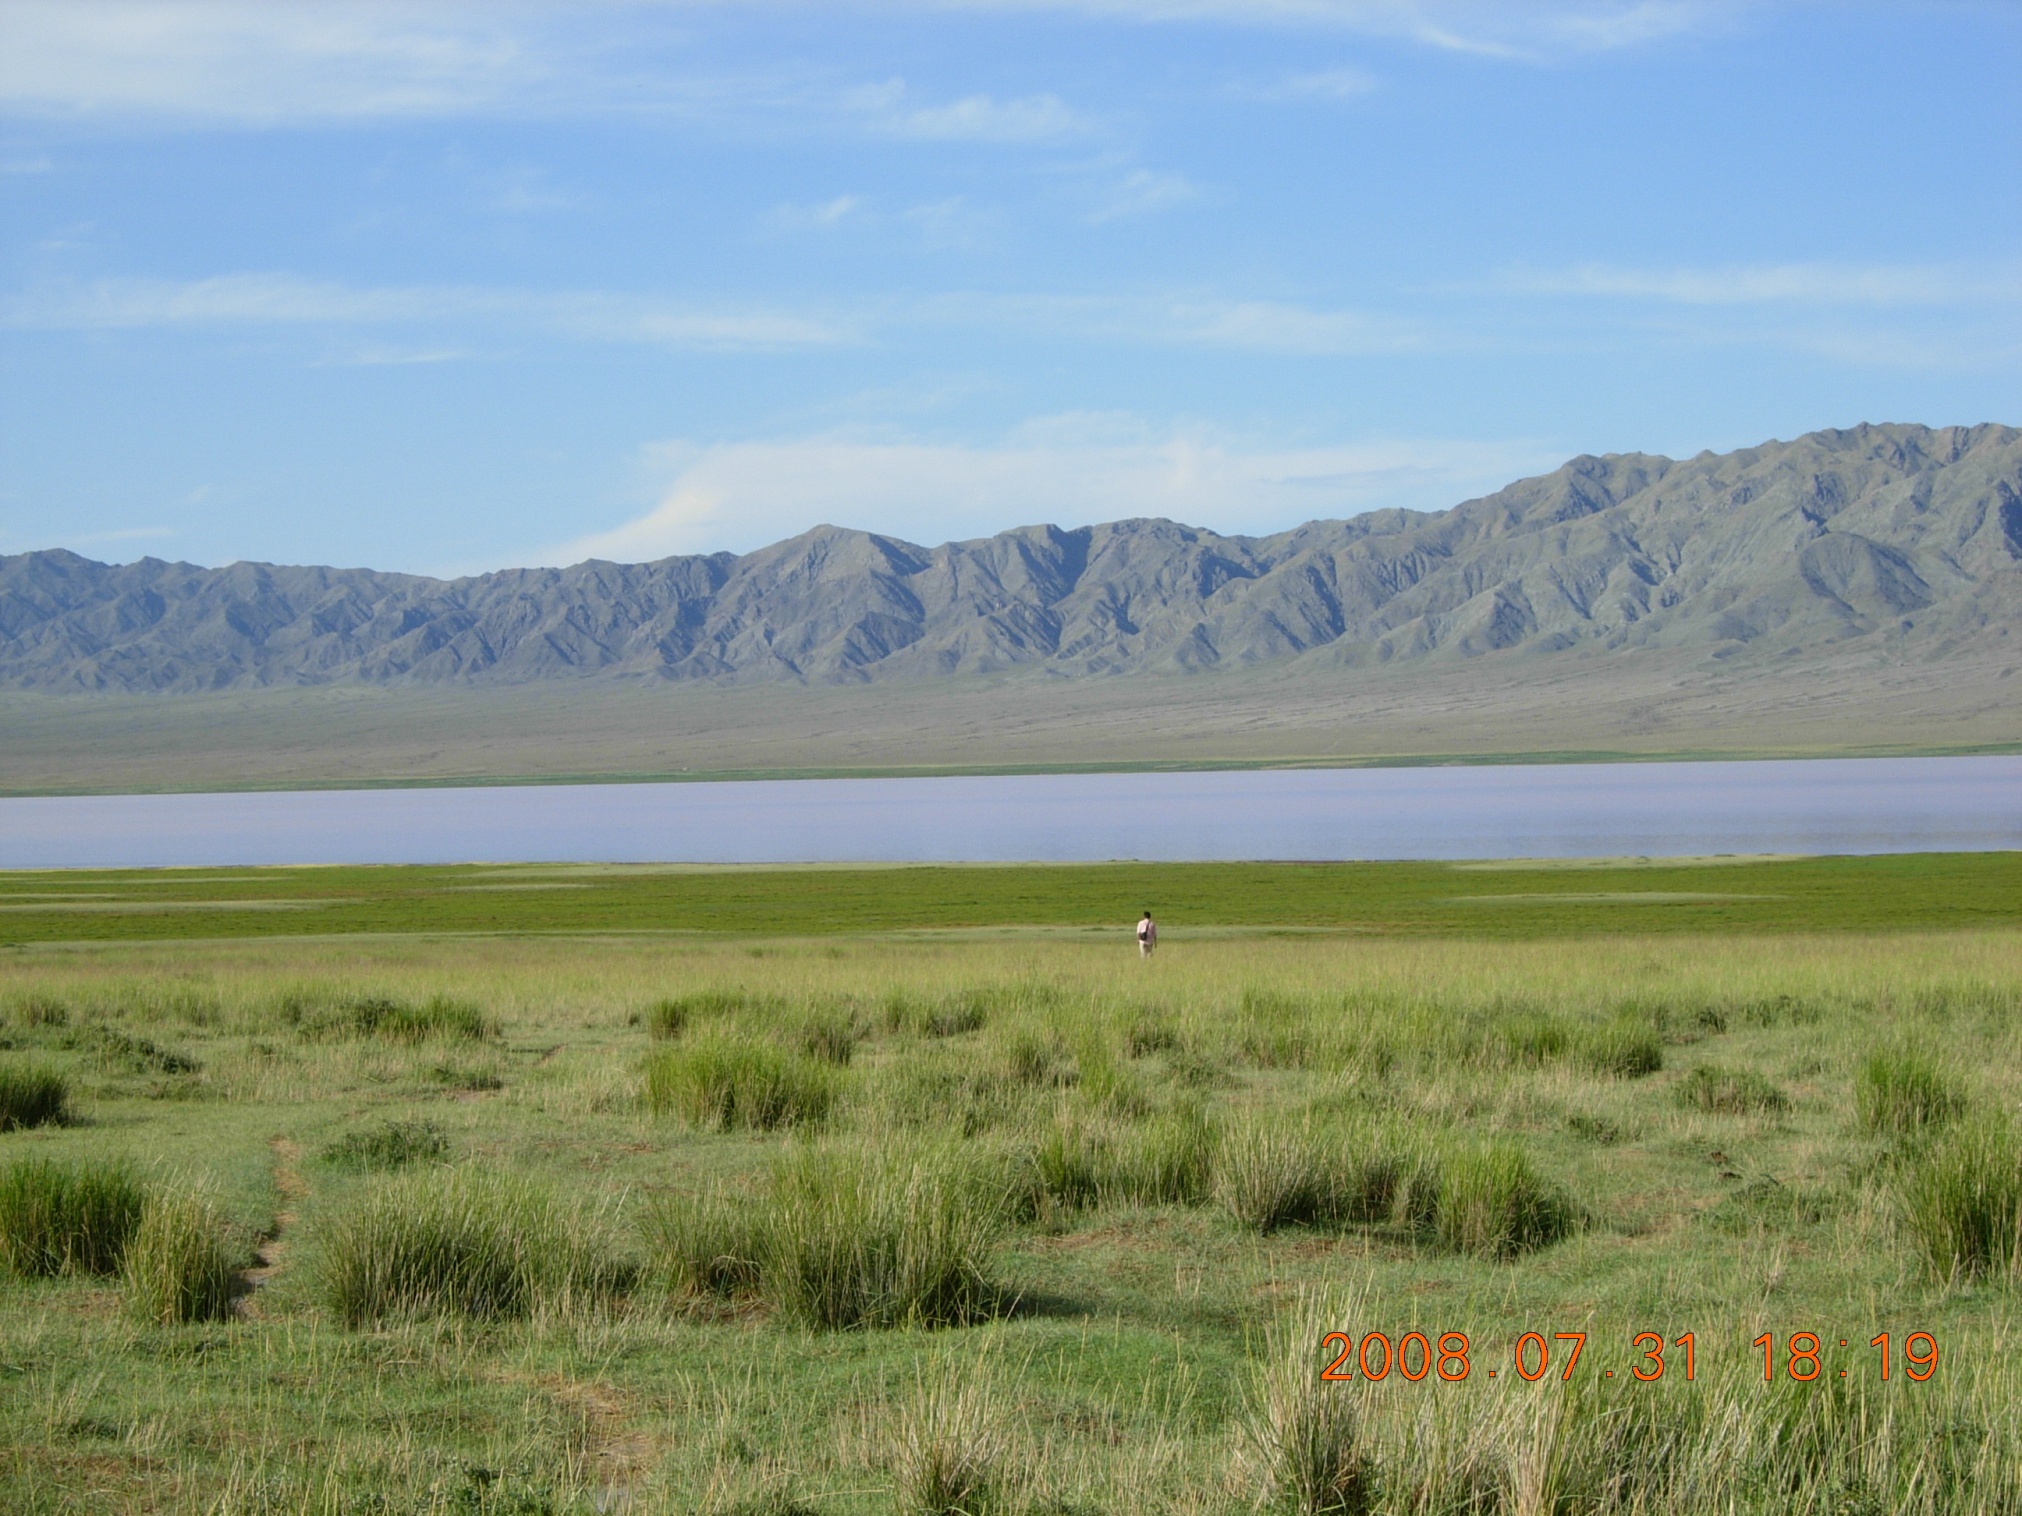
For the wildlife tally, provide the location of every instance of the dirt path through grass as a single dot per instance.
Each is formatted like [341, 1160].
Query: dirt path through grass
[288, 1181]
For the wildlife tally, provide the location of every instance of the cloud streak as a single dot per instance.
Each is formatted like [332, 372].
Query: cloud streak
[257, 63]
[1785, 283]
[888, 111]
[1487, 28]
[1071, 470]
[286, 300]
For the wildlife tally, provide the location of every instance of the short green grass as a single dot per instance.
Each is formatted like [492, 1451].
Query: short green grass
[1058, 1231]
[1504, 902]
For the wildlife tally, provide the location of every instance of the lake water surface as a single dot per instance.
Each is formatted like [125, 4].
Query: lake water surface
[1852, 805]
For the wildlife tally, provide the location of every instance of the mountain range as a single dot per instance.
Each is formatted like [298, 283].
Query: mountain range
[1896, 535]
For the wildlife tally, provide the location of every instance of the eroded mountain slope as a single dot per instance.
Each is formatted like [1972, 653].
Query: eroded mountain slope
[1878, 532]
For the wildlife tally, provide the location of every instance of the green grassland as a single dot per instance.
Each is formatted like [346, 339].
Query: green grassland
[561, 1190]
[1505, 901]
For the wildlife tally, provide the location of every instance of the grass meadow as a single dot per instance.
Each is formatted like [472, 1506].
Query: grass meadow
[533, 1216]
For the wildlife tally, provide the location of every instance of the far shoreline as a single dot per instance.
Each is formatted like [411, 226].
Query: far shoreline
[313, 784]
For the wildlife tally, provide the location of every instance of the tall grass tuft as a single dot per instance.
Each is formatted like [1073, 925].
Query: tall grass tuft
[942, 1015]
[1624, 1049]
[1301, 1447]
[32, 1096]
[882, 1237]
[38, 1010]
[709, 1244]
[75, 1218]
[462, 1242]
[829, 1036]
[1961, 1202]
[1532, 1040]
[723, 1082]
[671, 1016]
[1168, 1159]
[1731, 1092]
[1899, 1091]
[437, 1019]
[1273, 1174]
[1493, 1204]
[389, 1145]
[949, 1447]
[178, 1265]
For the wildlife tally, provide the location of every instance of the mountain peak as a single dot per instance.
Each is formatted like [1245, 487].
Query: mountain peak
[1891, 535]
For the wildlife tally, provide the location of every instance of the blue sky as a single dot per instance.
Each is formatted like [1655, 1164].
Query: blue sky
[449, 287]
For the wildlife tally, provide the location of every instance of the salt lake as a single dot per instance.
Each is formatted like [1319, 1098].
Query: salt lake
[1852, 805]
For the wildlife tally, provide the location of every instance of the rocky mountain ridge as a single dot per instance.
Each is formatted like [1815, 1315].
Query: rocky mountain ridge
[1892, 533]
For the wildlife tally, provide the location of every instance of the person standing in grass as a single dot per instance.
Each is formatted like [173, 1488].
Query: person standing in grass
[1147, 936]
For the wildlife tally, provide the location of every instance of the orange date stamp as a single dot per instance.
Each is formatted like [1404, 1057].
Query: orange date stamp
[1450, 1357]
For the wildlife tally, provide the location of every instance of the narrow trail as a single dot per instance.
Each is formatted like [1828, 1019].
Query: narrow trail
[274, 1248]
[617, 1452]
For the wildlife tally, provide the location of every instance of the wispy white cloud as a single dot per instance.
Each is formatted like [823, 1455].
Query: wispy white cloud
[278, 299]
[380, 355]
[284, 299]
[1070, 470]
[1190, 320]
[956, 224]
[1327, 84]
[258, 62]
[1514, 29]
[125, 534]
[231, 59]
[889, 109]
[826, 213]
[1142, 192]
[1783, 283]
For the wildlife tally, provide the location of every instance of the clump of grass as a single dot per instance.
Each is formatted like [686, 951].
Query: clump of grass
[1273, 1174]
[1624, 1049]
[829, 1036]
[882, 1237]
[58, 1218]
[1104, 1078]
[1147, 1034]
[1166, 1160]
[120, 1052]
[1532, 1040]
[671, 1016]
[1301, 1444]
[389, 1145]
[462, 1242]
[938, 1016]
[1028, 1058]
[1961, 1202]
[37, 1010]
[32, 1096]
[1596, 1129]
[1276, 1031]
[1899, 1091]
[437, 1019]
[949, 1447]
[723, 1082]
[1070, 1163]
[454, 1075]
[708, 1244]
[177, 1267]
[1494, 1204]
[1731, 1092]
